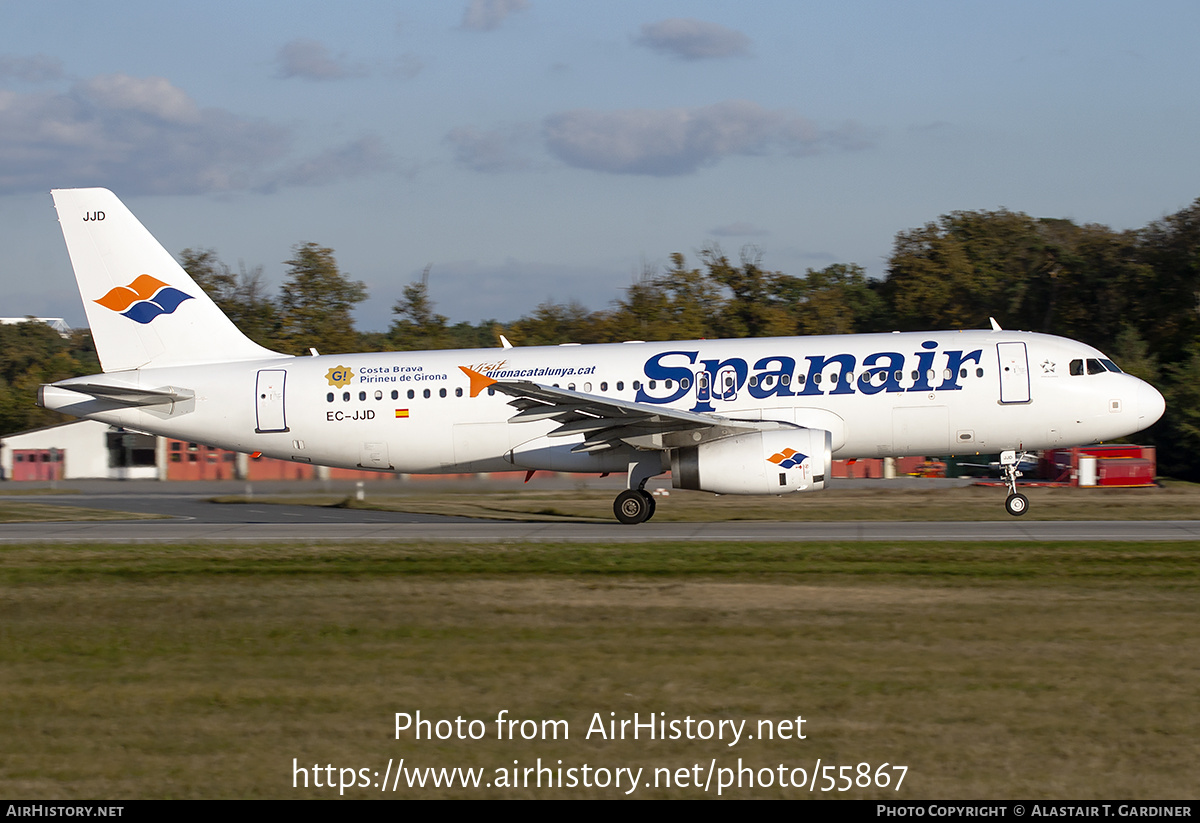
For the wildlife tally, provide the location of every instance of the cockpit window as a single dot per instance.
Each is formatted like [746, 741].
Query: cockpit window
[1095, 365]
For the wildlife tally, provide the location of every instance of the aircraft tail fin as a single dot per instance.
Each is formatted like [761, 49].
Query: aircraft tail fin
[143, 308]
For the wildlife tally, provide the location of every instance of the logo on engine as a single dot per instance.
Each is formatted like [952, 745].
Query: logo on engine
[144, 299]
[788, 458]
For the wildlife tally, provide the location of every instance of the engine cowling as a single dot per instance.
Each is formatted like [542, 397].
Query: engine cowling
[763, 462]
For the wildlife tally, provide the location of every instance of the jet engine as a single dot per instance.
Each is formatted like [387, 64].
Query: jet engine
[762, 462]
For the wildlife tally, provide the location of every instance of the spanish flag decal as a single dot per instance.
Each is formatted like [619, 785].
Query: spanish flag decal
[402, 412]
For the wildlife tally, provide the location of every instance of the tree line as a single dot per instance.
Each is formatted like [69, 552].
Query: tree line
[1133, 294]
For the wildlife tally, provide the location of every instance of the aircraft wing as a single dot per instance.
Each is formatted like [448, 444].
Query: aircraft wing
[607, 423]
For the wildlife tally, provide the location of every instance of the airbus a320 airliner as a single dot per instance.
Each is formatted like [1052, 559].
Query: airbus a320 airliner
[755, 416]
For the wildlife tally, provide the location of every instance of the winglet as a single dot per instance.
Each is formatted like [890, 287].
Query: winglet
[479, 382]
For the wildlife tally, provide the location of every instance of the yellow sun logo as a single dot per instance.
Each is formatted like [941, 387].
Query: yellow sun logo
[339, 376]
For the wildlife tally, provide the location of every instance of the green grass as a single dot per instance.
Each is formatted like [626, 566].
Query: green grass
[991, 670]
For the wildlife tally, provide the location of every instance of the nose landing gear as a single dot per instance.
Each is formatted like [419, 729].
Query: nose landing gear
[1016, 503]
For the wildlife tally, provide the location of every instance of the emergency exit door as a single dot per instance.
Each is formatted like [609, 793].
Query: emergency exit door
[268, 400]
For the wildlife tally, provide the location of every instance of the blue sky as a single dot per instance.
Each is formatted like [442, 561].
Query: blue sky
[531, 150]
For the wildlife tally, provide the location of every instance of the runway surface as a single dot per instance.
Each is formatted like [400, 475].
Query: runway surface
[191, 518]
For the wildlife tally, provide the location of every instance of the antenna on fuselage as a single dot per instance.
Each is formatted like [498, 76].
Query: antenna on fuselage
[995, 325]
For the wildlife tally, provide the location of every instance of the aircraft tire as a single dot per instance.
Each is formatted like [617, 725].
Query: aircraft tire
[1016, 504]
[632, 506]
[652, 502]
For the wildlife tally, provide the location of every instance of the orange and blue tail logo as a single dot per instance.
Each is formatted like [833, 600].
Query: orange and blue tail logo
[144, 299]
[788, 458]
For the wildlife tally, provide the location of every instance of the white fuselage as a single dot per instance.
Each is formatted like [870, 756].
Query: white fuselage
[879, 395]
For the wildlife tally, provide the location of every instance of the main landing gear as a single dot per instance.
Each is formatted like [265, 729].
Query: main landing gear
[635, 504]
[1016, 503]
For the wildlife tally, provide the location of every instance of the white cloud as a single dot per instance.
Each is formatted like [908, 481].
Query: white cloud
[487, 15]
[739, 230]
[666, 142]
[39, 68]
[144, 135]
[407, 66]
[690, 39]
[311, 60]
[491, 151]
[141, 134]
[358, 158]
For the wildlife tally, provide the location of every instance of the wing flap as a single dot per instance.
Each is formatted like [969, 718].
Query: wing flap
[607, 422]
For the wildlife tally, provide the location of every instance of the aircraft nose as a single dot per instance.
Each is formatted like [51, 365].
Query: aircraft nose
[1150, 404]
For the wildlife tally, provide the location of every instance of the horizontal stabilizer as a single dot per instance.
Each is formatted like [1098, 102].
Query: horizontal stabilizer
[129, 395]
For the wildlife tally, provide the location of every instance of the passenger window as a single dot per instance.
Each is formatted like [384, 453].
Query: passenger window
[668, 384]
[395, 394]
[1076, 367]
[329, 397]
[345, 397]
[458, 392]
[685, 383]
[604, 386]
[898, 376]
[570, 387]
[426, 393]
[587, 386]
[362, 395]
[441, 392]
[378, 395]
[979, 372]
[962, 373]
[620, 385]
[916, 374]
[787, 378]
[637, 384]
[817, 377]
[412, 394]
[754, 380]
[947, 374]
[654, 384]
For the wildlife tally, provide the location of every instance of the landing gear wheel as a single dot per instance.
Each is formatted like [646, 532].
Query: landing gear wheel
[651, 501]
[633, 506]
[1016, 504]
